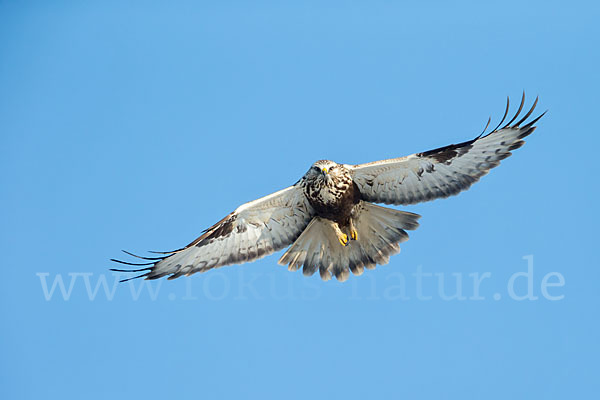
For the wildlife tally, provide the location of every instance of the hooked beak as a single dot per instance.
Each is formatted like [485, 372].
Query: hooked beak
[324, 171]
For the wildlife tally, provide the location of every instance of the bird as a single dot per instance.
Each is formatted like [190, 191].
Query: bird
[329, 218]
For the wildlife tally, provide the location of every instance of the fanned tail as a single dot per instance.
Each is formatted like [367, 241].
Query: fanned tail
[380, 230]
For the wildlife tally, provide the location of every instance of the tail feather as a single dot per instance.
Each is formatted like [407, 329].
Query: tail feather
[380, 230]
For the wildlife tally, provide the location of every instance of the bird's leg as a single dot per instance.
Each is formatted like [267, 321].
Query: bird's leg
[342, 237]
[353, 231]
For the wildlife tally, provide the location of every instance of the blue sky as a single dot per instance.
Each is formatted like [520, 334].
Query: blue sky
[137, 124]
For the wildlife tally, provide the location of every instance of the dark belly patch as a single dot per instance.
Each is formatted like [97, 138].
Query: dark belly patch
[339, 211]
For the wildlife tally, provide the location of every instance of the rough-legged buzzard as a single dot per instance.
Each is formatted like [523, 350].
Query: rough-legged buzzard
[328, 217]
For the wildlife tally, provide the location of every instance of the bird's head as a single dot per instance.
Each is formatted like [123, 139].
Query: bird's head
[326, 171]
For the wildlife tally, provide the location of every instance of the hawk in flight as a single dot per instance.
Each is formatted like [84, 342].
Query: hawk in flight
[328, 217]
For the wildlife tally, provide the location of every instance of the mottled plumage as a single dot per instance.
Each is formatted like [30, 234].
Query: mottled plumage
[328, 217]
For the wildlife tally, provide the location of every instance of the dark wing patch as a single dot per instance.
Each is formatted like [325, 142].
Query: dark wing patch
[447, 153]
[222, 228]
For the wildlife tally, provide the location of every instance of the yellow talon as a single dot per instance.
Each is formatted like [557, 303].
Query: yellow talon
[343, 239]
[354, 234]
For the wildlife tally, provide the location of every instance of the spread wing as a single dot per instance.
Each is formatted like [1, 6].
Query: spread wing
[441, 172]
[254, 230]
